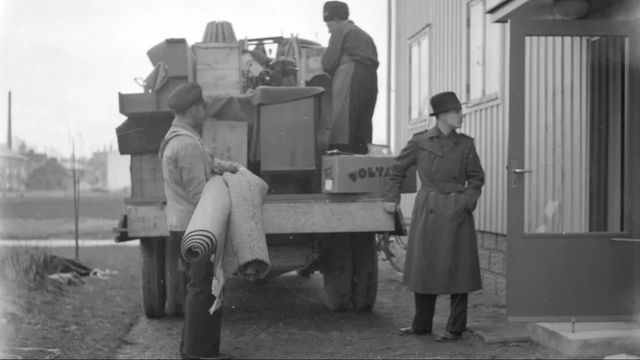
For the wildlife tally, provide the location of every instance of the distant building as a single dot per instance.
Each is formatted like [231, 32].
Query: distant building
[13, 172]
[49, 176]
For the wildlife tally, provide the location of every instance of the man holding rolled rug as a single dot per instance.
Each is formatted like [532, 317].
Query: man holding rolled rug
[187, 165]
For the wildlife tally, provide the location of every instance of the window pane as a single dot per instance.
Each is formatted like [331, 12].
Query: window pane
[574, 132]
[424, 76]
[476, 44]
[414, 78]
[492, 57]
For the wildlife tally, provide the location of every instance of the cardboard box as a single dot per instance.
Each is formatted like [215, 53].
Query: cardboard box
[360, 174]
[227, 139]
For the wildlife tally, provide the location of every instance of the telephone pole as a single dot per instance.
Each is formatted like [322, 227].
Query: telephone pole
[76, 196]
[9, 124]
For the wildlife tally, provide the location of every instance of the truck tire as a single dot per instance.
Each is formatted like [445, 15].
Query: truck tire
[175, 279]
[153, 287]
[336, 267]
[365, 271]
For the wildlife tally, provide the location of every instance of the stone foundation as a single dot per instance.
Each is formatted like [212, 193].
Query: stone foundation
[492, 250]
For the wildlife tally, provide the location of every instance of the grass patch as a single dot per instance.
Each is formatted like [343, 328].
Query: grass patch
[82, 321]
[28, 268]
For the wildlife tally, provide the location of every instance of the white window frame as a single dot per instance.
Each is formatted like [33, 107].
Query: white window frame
[485, 92]
[419, 106]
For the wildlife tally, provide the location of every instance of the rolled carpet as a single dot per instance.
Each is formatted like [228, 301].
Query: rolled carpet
[245, 253]
[206, 232]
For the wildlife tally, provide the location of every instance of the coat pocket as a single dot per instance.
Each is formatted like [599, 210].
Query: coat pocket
[451, 204]
[469, 202]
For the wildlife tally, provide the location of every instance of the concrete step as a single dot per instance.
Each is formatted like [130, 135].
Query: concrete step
[588, 339]
[502, 332]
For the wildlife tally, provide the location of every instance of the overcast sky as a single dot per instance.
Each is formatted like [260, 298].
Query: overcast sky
[66, 60]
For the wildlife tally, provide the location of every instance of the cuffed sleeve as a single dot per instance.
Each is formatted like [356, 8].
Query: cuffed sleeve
[475, 177]
[398, 172]
[333, 53]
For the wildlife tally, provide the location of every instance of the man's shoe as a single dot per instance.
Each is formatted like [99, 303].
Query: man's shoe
[448, 336]
[410, 331]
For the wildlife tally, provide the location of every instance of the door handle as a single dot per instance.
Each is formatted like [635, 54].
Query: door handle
[515, 178]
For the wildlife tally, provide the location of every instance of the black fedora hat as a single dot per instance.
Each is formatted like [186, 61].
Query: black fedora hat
[443, 102]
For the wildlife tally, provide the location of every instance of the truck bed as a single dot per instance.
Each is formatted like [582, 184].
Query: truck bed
[283, 214]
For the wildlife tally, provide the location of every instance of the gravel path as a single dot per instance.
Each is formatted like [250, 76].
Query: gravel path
[287, 318]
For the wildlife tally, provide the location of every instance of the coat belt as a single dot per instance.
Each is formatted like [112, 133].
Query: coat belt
[444, 188]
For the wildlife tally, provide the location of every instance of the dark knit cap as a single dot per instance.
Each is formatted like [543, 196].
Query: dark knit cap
[443, 102]
[185, 96]
[335, 10]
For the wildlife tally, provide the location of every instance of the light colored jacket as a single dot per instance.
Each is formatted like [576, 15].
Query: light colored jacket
[186, 167]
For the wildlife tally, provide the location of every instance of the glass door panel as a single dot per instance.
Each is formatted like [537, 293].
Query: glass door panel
[573, 131]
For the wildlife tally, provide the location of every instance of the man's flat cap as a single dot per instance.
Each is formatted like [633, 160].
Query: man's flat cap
[185, 96]
[335, 10]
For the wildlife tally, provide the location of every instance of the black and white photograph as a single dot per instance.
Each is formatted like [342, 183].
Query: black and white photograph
[313, 179]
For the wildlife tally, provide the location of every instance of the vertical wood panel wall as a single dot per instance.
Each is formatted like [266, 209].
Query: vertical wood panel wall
[487, 126]
[447, 21]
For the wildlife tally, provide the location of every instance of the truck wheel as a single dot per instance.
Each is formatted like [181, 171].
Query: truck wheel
[365, 271]
[153, 291]
[175, 279]
[336, 266]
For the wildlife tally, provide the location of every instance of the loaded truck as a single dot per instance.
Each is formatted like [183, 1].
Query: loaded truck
[269, 112]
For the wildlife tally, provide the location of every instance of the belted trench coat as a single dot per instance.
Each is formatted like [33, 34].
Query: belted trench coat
[442, 252]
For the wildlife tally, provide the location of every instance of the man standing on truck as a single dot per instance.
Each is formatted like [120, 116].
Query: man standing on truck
[351, 59]
[186, 167]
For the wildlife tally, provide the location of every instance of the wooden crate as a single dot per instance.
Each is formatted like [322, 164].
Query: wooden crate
[218, 68]
[146, 177]
[146, 220]
[227, 139]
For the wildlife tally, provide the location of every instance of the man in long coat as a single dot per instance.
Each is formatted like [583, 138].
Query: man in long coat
[351, 59]
[442, 254]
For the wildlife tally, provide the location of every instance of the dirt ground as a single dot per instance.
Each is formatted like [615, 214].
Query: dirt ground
[287, 318]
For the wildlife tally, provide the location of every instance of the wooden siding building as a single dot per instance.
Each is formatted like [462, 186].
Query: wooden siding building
[547, 89]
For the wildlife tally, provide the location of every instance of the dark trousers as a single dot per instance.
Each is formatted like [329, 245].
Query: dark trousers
[363, 91]
[362, 103]
[425, 308]
[201, 330]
